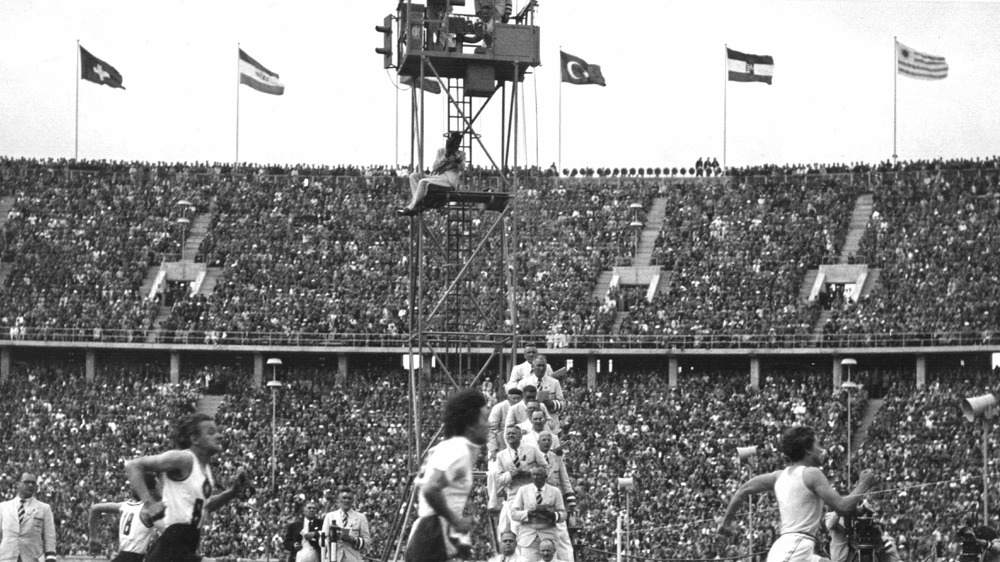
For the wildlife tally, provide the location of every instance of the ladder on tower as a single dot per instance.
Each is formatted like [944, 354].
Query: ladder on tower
[462, 106]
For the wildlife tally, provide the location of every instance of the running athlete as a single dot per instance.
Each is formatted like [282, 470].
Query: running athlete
[187, 483]
[134, 534]
[801, 489]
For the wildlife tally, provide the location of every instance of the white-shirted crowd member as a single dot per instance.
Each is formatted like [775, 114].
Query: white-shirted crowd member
[548, 390]
[523, 370]
[801, 489]
[187, 486]
[441, 531]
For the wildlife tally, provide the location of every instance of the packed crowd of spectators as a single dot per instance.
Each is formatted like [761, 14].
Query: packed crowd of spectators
[317, 250]
[678, 444]
[935, 237]
[738, 255]
[929, 460]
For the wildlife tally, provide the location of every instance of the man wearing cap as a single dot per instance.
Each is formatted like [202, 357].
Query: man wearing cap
[27, 527]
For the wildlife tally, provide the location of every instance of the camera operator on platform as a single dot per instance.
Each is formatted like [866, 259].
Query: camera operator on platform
[858, 538]
[979, 542]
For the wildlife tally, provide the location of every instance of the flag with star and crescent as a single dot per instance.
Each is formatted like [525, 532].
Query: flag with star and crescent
[576, 71]
[98, 71]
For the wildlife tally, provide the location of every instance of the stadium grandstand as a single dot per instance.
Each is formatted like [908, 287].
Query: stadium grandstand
[156, 317]
[661, 326]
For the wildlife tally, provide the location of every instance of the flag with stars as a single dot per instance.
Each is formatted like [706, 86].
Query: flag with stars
[921, 66]
[98, 71]
[749, 68]
[576, 71]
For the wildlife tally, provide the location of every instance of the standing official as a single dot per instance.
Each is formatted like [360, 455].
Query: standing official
[27, 527]
[346, 530]
[302, 535]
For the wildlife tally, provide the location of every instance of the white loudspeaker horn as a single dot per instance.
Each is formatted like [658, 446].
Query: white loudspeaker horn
[746, 452]
[985, 405]
[626, 484]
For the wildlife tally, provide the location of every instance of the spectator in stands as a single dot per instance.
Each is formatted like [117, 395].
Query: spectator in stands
[513, 470]
[523, 370]
[302, 536]
[518, 413]
[549, 390]
[537, 509]
[535, 426]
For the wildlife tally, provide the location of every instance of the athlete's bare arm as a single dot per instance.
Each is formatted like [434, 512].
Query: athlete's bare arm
[176, 464]
[816, 481]
[756, 485]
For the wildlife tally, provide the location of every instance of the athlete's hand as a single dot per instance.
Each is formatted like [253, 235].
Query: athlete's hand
[867, 478]
[152, 511]
[725, 530]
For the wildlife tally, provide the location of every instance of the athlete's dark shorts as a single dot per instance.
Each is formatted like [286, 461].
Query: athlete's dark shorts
[179, 543]
[128, 557]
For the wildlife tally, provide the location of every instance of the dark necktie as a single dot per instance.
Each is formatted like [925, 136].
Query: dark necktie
[538, 496]
[517, 459]
[20, 512]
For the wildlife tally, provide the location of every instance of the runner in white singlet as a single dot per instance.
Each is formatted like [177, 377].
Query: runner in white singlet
[801, 489]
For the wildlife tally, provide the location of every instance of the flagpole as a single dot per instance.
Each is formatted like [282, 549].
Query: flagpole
[895, 83]
[76, 134]
[237, 164]
[725, 104]
[559, 171]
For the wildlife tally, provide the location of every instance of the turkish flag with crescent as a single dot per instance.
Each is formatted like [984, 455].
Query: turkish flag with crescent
[96, 70]
[576, 71]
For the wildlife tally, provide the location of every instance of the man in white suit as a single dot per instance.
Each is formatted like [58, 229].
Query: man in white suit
[346, 530]
[27, 528]
[538, 508]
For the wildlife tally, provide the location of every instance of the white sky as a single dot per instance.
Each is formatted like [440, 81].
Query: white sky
[831, 101]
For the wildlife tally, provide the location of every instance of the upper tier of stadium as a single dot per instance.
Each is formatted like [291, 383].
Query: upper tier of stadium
[311, 256]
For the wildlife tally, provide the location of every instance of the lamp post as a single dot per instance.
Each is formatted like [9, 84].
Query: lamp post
[748, 454]
[984, 407]
[183, 222]
[848, 386]
[274, 385]
[626, 485]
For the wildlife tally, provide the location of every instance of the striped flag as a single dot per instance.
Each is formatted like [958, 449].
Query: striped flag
[253, 74]
[919, 65]
[749, 68]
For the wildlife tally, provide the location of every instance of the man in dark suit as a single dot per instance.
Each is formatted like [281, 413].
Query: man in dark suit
[302, 536]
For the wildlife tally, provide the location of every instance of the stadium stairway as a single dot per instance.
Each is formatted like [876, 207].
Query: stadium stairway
[859, 222]
[650, 232]
[6, 204]
[858, 438]
[644, 252]
[199, 228]
[161, 316]
[212, 275]
[209, 404]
